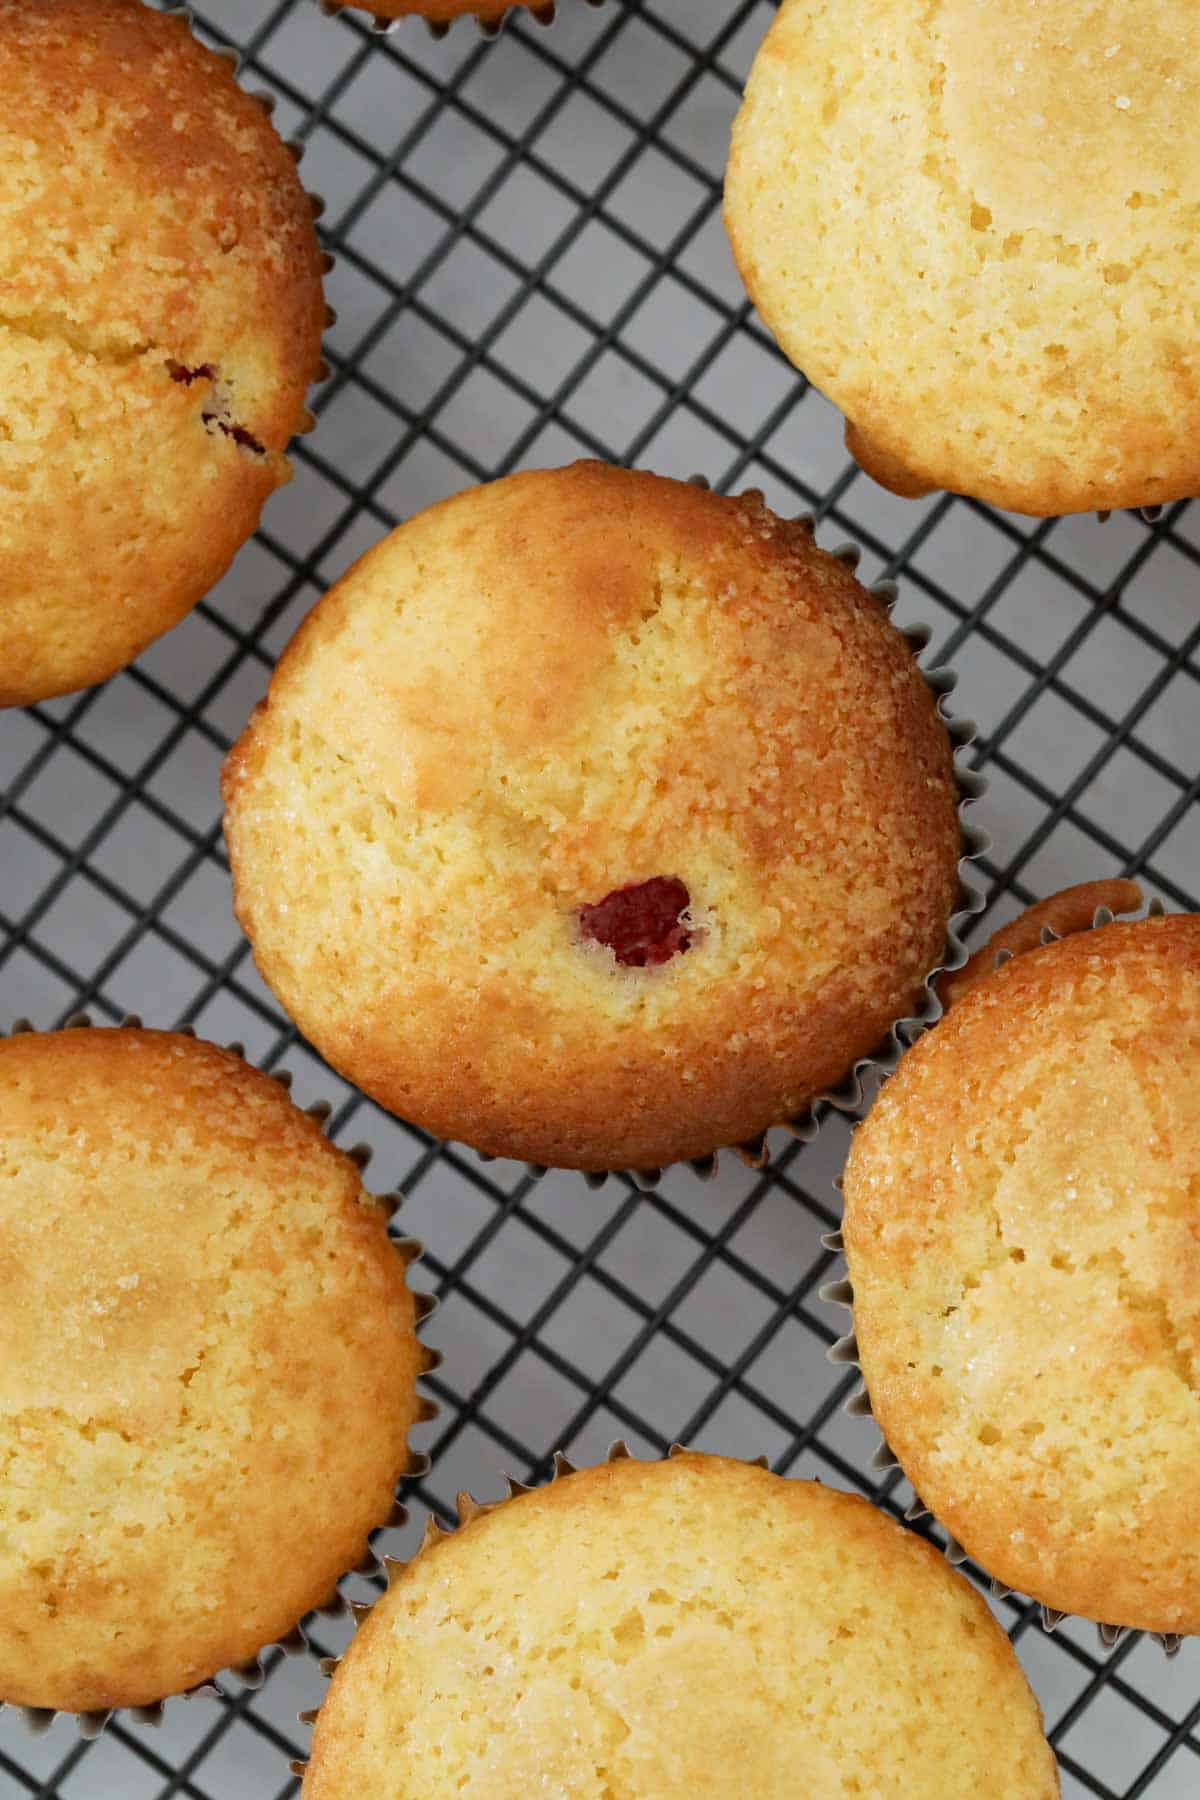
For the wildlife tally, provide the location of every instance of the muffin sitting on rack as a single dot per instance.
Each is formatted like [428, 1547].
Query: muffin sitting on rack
[207, 1366]
[160, 323]
[1023, 1236]
[973, 226]
[673, 1629]
[597, 820]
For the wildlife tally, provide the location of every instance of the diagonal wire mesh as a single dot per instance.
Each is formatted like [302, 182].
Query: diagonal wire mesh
[531, 267]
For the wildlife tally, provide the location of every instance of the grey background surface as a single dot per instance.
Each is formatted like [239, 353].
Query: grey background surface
[590, 304]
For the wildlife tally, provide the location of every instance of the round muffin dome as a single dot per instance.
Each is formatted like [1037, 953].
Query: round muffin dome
[664, 1628]
[207, 1366]
[1022, 1222]
[972, 227]
[595, 819]
[160, 323]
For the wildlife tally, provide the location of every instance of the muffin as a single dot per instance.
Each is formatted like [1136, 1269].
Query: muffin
[595, 819]
[1023, 1235]
[971, 226]
[160, 322]
[207, 1366]
[638, 1627]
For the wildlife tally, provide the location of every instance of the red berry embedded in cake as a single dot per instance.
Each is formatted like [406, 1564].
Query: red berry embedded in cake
[641, 924]
[596, 820]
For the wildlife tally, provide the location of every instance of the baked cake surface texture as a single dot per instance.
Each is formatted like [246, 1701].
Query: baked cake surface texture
[595, 819]
[160, 321]
[207, 1366]
[971, 223]
[667, 1628]
[1023, 1234]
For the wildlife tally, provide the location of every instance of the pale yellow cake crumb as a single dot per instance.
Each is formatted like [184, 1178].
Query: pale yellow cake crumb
[152, 225]
[207, 1366]
[675, 1629]
[1023, 1232]
[972, 224]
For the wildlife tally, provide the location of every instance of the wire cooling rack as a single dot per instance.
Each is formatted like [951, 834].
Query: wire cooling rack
[531, 267]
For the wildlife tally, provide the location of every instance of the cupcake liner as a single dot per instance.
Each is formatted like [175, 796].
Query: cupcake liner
[844, 1353]
[848, 1095]
[1149, 515]
[470, 1509]
[251, 1673]
[1071, 910]
[543, 14]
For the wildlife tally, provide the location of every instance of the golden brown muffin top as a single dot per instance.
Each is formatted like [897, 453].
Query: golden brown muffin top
[160, 320]
[548, 690]
[1023, 1233]
[662, 1629]
[207, 1365]
[971, 224]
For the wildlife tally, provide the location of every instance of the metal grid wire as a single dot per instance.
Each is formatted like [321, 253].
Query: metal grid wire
[531, 267]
